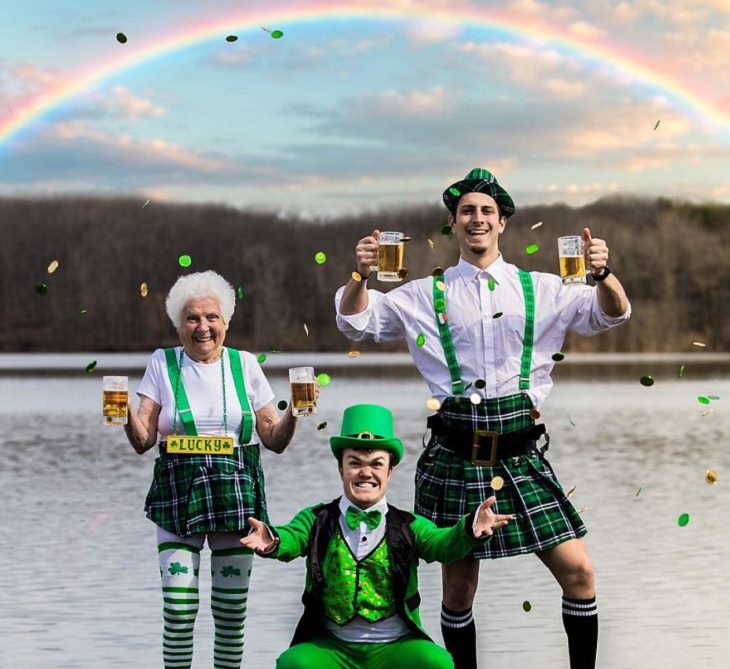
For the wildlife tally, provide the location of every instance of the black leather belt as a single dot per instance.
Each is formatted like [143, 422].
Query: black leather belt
[485, 447]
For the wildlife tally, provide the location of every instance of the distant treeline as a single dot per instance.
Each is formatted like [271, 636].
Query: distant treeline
[672, 257]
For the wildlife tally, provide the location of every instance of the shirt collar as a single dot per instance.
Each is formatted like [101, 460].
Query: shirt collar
[381, 506]
[495, 271]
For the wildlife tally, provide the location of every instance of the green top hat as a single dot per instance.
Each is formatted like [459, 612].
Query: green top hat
[479, 180]
[367, 426]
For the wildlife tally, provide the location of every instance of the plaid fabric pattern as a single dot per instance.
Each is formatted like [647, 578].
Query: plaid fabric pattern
[207, 493]
[448, 486]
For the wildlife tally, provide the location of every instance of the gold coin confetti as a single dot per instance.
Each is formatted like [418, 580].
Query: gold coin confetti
[536, 225]
[497, 483]
[143, 289]
[356, 276]
[711, 476]
[534, 413]
[699, 343]
[53, 266]
[430, 243]
[585, 508]
[353, 354]
[570, 492]
[433, 404]
[306, 329]
[440, 285]
[707, 412]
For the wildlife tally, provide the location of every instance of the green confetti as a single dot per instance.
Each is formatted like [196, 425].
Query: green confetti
[490, 284]
[261, 358]
[531, 249]
[526, 606]
[185, 261]
[683, 520]
[420, 340]
[713, 397]
[641, 487]
[499, 314]
[239, 292]
[558, 356]
[146, 202]
[320, 257]
[570, 420]
[277, 34]
[657, 124]
[82, 312]
[681, 370]
[324, 379]
[322, 426]
[454, 191]
[480, 383]
[121, 38]
[41, 288]
[231, 38]
[647, 380]
[446, 230]
[703, 400]
[91, 366]
[282, 405]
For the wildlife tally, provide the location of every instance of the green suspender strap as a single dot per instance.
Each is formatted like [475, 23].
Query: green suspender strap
[237, 371]
[447, 343]
[528, 340]
[182, 406]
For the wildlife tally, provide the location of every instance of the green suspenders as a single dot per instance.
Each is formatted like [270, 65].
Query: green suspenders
[182, 405]
[447, 343]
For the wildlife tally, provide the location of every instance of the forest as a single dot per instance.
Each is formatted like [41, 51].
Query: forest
[671, 256]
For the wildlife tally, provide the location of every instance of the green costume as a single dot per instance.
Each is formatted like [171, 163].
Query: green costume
[388, 576]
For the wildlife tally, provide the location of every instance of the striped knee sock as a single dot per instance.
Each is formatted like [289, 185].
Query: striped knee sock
[460, 637]
[580, 619]
[231, 571]
[179, 565]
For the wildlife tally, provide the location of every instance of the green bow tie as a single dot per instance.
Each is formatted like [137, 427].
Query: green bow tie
[354, 517]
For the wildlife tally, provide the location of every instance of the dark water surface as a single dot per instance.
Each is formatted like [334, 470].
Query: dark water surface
[80, 582]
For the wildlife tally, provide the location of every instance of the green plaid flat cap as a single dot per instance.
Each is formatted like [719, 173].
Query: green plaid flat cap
[479, 180]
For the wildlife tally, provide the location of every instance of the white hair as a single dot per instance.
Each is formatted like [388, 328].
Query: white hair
[198, 286]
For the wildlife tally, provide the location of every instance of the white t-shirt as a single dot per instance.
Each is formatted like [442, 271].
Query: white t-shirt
[203, 386]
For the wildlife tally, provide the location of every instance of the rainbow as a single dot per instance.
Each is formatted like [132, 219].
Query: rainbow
[622, 62]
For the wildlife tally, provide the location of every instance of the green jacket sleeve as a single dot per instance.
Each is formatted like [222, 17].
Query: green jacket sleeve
[443, 544]
[293, 537]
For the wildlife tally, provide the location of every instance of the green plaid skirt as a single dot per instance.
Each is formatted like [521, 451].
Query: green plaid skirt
[449, 487]
[207, 493]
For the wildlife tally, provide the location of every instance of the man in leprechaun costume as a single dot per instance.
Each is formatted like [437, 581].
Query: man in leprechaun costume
[361, 601]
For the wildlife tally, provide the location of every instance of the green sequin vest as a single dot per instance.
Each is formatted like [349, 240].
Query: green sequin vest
[355, 588]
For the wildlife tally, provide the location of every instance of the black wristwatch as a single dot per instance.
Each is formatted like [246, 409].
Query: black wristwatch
[362, 276]
[601, 277]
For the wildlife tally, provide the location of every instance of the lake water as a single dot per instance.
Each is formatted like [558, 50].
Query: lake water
[79, 581]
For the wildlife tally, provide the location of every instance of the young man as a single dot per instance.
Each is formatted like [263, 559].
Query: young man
[361, 602]
[492, 328]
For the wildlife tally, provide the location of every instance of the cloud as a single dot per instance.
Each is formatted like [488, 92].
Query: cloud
[123, 103]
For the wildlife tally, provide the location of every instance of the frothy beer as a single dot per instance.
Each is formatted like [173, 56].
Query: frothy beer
[390, 256]
[572, 268]
[115, 407]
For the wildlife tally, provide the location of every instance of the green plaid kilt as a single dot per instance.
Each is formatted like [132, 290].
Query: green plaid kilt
[207, 493]
[449, 487]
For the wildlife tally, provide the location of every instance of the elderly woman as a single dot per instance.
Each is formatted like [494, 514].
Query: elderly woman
[203, 400]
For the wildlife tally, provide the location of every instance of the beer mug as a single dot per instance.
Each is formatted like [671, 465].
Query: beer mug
[572, 260]
[115, 400]
[303, 397]
[390, 256]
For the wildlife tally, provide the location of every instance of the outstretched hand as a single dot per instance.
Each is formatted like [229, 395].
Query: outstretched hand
[259, 539]
[487, 521]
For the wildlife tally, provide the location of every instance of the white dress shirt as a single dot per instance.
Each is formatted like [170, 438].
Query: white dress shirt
[362, 542]
[487, 348]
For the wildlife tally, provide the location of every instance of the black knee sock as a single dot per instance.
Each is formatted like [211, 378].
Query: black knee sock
[460, 637]
[580, 619]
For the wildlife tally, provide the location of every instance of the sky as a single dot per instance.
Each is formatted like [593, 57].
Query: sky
[362, 105]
